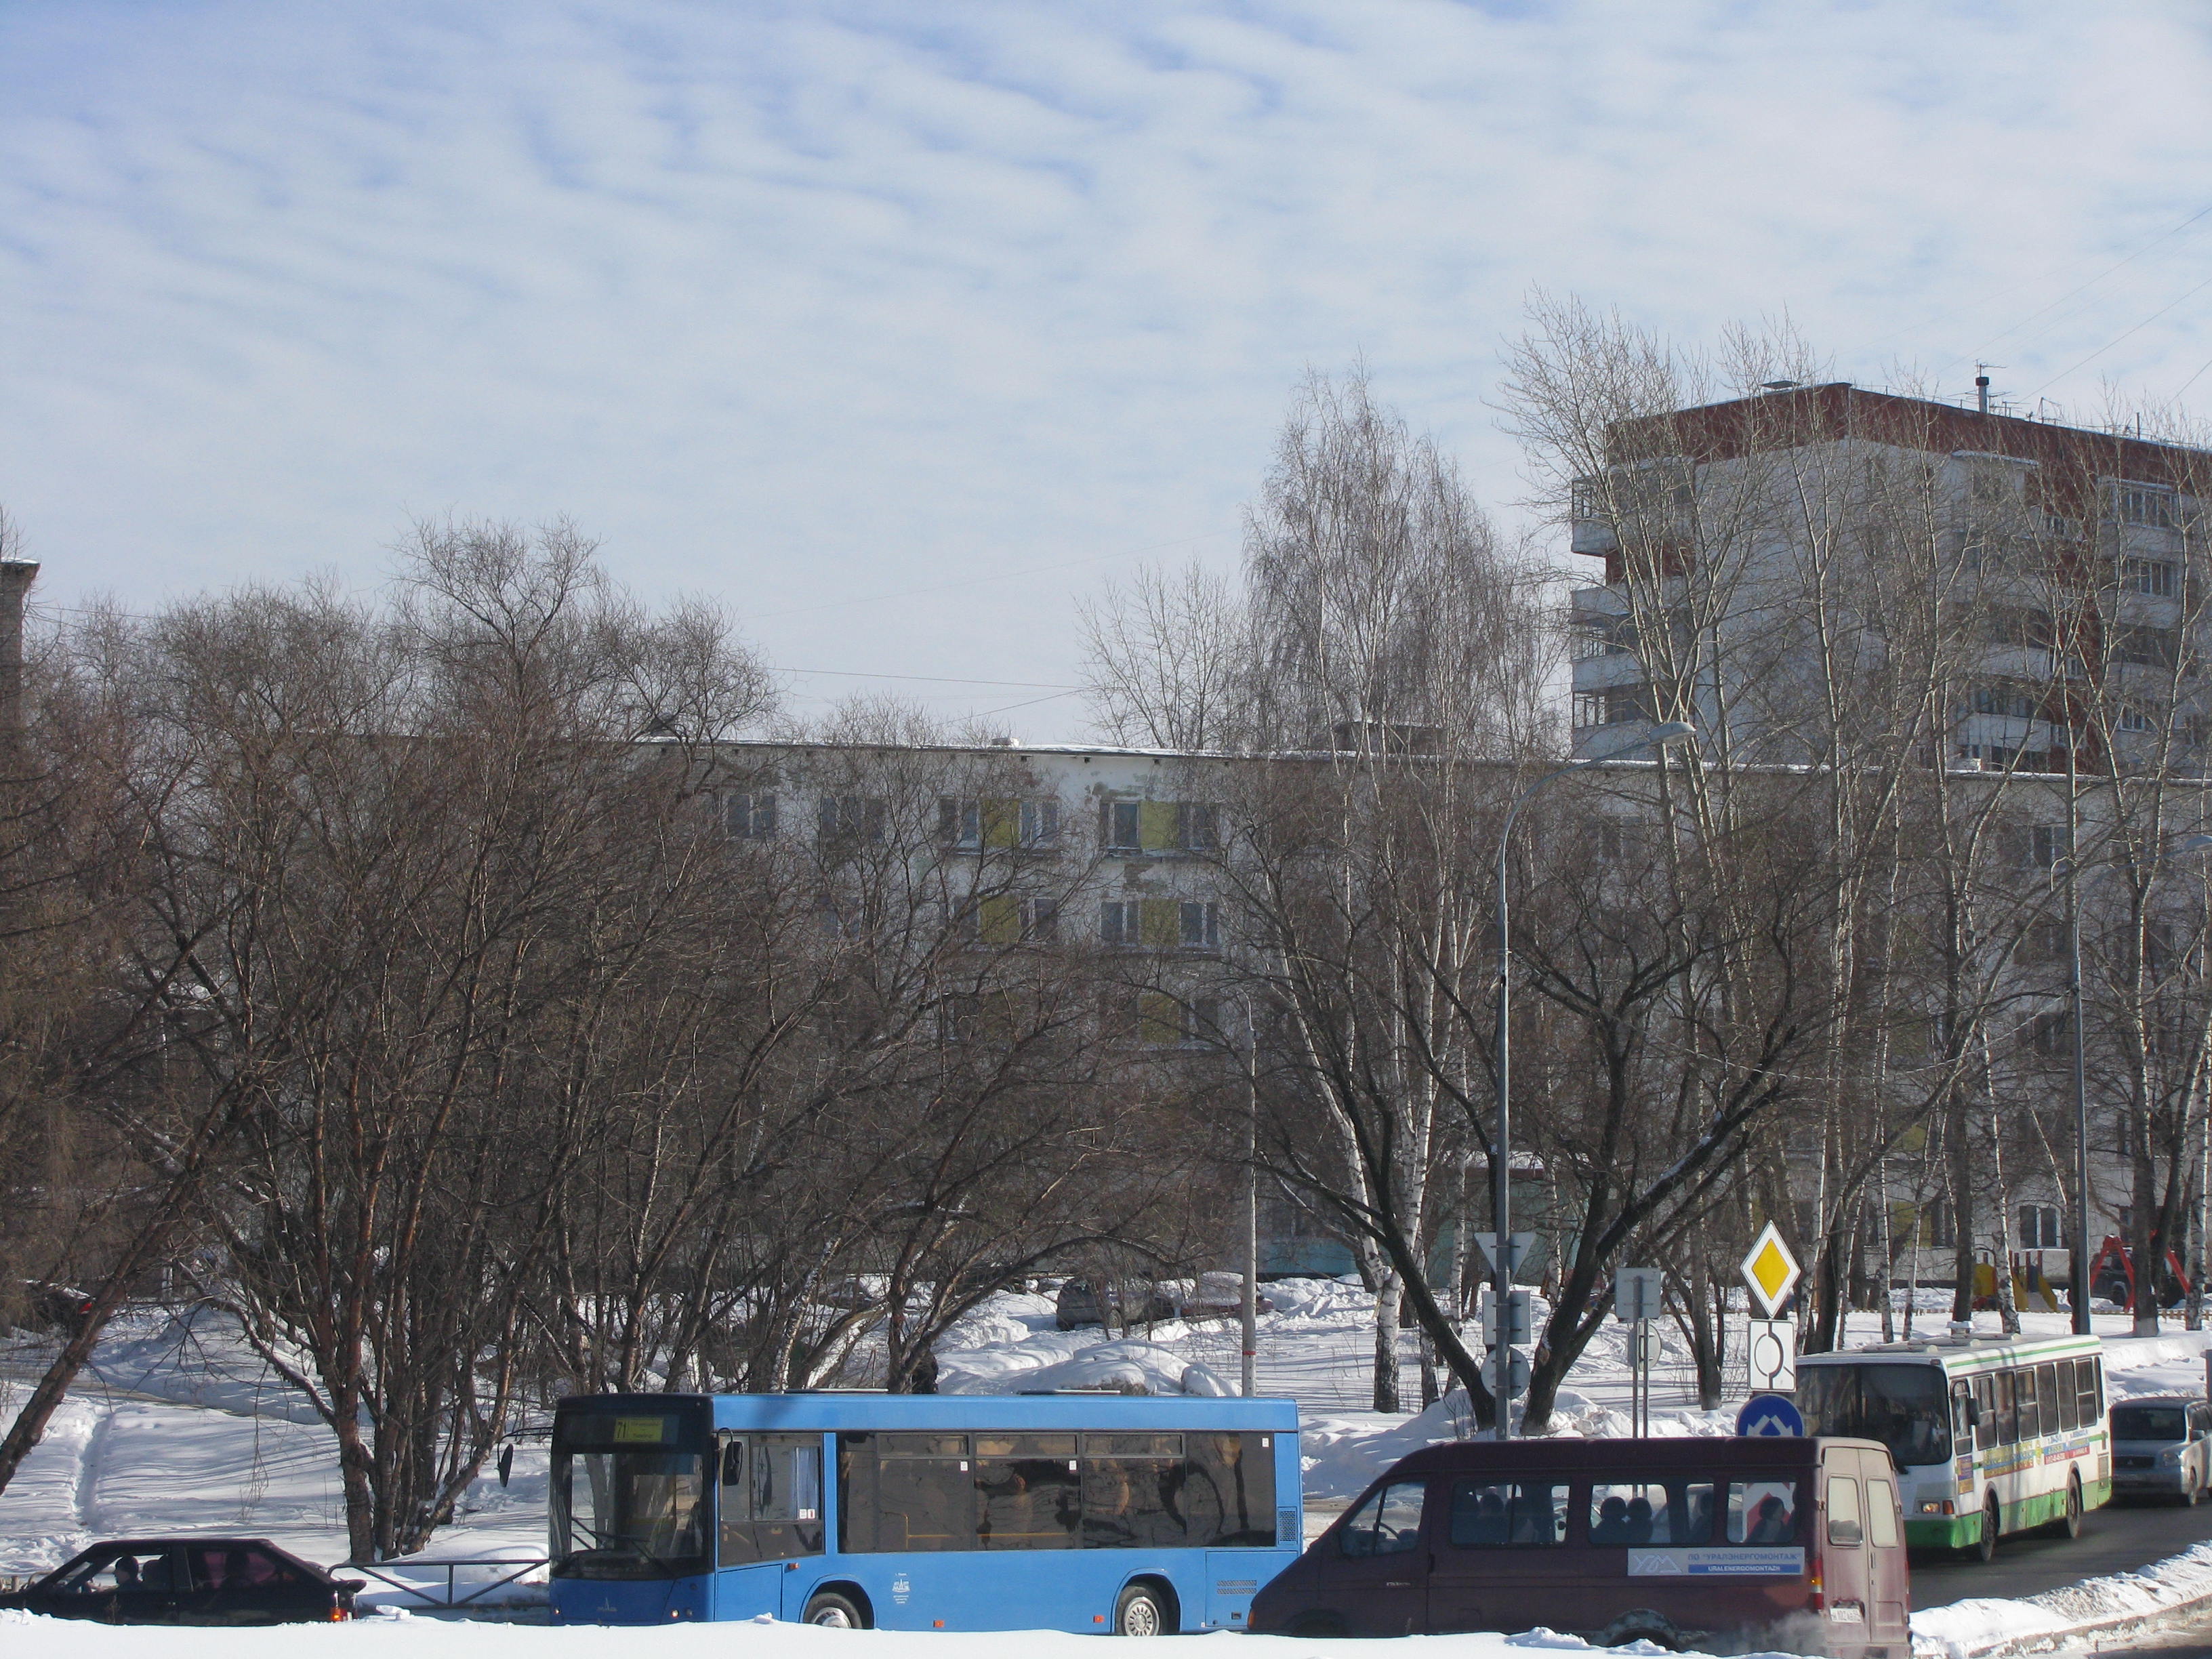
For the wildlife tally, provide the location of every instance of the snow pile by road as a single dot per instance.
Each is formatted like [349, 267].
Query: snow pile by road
[424, 1638]
[1968, 1628]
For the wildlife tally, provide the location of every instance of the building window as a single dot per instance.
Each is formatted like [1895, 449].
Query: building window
[2151, 648]
[2144, 504]
[1616, 707]
[1157, 826]
[1004, 919]
[2040, 1227]
[2047, 843]
[1122, 825]
[750, 815]
[2134, 717]
[2155, 576]
[1159, 1019]
[1160, 924]
[2003, 697]
[1201, 925]
[849, 818]
[969, 823]
[2052, 1033]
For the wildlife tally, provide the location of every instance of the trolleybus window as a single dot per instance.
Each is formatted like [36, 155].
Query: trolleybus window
[1904, 1406]
[1493, 1514]
[1388, 1523]
[1672, 1512]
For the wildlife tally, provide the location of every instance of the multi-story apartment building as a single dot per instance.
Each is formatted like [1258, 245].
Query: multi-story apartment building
[1805, 572]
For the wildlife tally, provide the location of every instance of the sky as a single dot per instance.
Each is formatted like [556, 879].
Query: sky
[897, 325]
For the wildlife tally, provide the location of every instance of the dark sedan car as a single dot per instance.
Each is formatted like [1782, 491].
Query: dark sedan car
[189, 1581]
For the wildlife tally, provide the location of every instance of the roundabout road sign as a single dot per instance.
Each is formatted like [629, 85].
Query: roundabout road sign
[1769, 1415]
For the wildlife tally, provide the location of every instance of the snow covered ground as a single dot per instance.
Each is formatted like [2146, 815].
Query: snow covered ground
[178, 1429]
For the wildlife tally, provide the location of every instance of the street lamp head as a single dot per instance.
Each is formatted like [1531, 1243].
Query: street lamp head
[2189, 844]
[1681, 732]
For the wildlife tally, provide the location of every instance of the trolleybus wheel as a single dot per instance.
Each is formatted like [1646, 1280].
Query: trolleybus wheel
[1985, 1545]
[1139, 1612]
[828, 1608]
[2070, 1525]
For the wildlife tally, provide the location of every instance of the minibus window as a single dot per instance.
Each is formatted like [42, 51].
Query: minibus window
[1844, 1525]
[1677, 1513]
[1762, 1511]
[1490, 1515]
[1388, 1523]
[1881, 1515]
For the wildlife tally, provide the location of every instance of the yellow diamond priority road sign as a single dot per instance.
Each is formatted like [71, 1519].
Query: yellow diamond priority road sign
[1771, 1270]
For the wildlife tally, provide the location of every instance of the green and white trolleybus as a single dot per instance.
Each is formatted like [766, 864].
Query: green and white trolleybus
[1990, 1435]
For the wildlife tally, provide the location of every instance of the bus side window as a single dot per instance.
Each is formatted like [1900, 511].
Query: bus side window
[2090, 1374]
[2007, 1410]
[1962, 1412]
[925, 1495]
[1229, 1489]
[733, 1517]
[1881, 1515]
[2046, 1390]
[2070, 1404]
[1132, 1493]
[1028, 1494]
[1985, 1410]
[786, 1496]
[2024, 1400]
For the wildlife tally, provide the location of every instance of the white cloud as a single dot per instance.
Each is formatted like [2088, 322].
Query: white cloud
[802, 304]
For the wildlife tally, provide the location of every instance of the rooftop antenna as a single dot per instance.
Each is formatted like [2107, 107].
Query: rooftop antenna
[1982, 386]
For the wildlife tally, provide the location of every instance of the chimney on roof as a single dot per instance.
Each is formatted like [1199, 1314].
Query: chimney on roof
[15, 576]
[1982, 392]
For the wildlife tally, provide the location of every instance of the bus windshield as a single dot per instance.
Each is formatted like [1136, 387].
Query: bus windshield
[629, 1498]
[1904, 1406]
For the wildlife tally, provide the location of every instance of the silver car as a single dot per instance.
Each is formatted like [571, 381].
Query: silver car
[2162, 1445]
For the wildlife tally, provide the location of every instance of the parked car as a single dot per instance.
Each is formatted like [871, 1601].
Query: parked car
[60, 1307]
[189, 1581]
[1131, 1302]
[1221, 1296]
[1779, 1542]
[2162, 1447]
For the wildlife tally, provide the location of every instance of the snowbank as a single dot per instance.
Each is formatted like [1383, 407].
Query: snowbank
[425, 1638]
[1129, 1366]
[1982, 1627]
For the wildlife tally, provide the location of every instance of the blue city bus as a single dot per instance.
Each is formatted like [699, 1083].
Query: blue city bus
[1069, 1511]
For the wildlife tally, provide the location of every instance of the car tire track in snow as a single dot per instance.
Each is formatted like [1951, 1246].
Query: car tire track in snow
[91, 1457]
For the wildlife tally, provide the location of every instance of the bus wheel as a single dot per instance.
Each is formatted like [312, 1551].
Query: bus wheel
[833, 1611]
[1985, 1545]
[2069, 1525]
[1139, 1612]
[1642, 1625]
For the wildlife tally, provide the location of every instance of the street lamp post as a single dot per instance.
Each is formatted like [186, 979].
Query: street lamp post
[1502, 1262]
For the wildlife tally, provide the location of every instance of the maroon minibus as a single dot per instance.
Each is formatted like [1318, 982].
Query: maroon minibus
[1794, 1543]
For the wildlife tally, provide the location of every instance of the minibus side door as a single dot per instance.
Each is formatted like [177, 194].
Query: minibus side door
[1842, 1541]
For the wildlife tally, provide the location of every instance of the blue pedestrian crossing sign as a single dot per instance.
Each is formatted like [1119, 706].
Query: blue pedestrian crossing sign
[1770, 1414]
